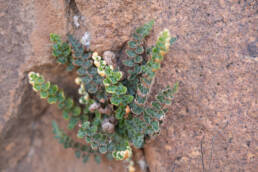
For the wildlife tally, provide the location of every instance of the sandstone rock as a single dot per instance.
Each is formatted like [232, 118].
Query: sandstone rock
[210, 127]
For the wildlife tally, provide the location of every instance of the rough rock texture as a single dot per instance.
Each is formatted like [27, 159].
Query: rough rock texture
[212, 125]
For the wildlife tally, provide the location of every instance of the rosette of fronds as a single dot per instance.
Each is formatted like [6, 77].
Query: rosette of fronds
[112, 113]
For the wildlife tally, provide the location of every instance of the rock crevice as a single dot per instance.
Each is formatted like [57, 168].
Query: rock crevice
[214, 60]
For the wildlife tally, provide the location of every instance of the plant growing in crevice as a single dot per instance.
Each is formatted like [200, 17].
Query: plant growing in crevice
[112, 113]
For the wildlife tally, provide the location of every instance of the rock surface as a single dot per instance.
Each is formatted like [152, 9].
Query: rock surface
[212, 124]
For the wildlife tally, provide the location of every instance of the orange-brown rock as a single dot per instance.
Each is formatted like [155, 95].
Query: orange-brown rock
[212, 123]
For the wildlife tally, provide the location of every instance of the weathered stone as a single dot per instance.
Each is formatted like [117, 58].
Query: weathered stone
[210, 127]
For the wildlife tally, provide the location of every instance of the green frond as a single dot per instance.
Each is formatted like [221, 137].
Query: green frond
[112, 111]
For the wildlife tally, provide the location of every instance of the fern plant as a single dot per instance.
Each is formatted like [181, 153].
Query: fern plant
[113, 113]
